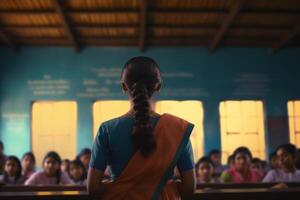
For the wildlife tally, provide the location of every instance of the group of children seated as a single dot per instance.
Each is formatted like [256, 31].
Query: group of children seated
[54, 170]
[283, 166]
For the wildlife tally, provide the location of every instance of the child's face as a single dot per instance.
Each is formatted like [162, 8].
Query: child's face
[76, 172]
[274, 162]
[242, 161]
[27, 163]
[205, 171]
[85, 159]
[11, 168]
[64, 166]
[50, 166]
[216, 158]
[258, 167]
[285, 160]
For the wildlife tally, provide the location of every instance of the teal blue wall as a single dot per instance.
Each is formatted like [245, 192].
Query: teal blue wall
[93, 74]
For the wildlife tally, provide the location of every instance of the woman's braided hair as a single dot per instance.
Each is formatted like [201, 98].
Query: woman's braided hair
[141, 75]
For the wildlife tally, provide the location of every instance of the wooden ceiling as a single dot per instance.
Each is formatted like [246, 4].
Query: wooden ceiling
[147, 23]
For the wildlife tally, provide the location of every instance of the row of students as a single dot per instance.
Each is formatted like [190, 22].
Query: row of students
[242, 168]
[52, 172]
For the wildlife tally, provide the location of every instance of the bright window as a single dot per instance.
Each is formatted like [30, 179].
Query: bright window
[294, 122]
[106, 110]
[242, 124]
[54, 125]
[191, 111]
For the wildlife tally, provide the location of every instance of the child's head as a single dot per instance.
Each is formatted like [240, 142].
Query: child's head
[65, 164]
[215, 156]
[51, 164]
[230, 161]
[77, 170]
[286, 155]
[13, 167]
[204, 169]
[1, 148]
[28, 162]
[257, 165]
[242, 158]
[273, 161]
[298, 159]
[85, 157]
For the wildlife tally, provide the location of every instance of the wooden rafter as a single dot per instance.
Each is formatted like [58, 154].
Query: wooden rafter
[7, 39]
[226, 24]
[66, 24]
[286, 39]
[143, 25]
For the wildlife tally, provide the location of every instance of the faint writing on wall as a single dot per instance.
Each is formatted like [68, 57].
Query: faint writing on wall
[252, 84]
[106, 84]
[14, 122]
[106, 72]
[184, 92]
[177, 75]
[48, 86]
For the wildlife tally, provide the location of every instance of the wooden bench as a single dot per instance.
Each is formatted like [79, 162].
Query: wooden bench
[214, 194]
[24, 188]
[244, 185]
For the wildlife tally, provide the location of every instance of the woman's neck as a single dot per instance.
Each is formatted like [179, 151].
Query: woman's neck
[130, 113]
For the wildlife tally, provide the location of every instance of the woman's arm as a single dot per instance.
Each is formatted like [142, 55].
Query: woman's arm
[95, 187]
[187, 186]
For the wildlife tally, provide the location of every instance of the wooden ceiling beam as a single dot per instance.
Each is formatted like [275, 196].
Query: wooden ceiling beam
[136, 11]
[235, 10]
[285, 39]
[7, 39]
[143, 25]
[131, 41]
[66, 24]
[175, 26]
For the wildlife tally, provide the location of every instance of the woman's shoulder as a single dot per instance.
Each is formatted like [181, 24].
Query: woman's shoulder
[115, 122]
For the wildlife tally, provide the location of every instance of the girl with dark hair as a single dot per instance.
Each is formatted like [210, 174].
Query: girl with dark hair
[51, 173]
[142, 148]
[77, 172]
[287, 171]
[65, 165]
[12, 171]
[205, 171]
[241, 171]
[28, 165]
[85, 156]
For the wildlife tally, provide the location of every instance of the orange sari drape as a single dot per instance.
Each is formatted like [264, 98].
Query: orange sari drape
[147, 178]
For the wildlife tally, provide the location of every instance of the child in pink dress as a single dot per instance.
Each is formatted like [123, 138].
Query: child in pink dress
[241, 171]
[51, 173]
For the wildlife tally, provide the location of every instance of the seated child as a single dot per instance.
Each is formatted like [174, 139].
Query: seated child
[241, 171]
[12, 171]
[28, 165]
[77, 172]
[205, 171]
[51, 173]
[288, 172]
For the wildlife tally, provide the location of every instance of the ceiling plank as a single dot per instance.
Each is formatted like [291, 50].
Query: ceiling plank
[285, 39]
[66, 24]
[235, 10]
[7, 39]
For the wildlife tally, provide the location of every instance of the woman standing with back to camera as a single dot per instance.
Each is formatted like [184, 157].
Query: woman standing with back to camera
[142, 148]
